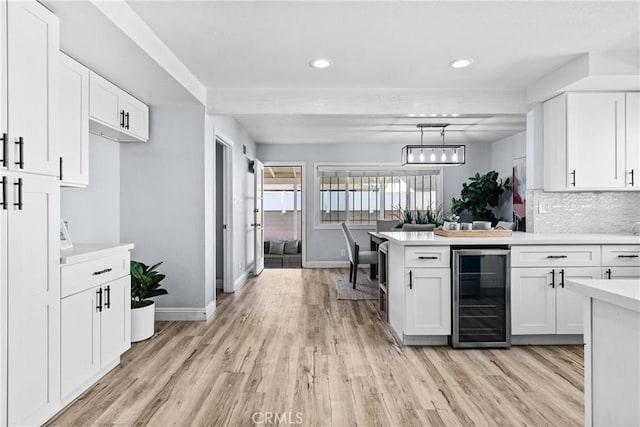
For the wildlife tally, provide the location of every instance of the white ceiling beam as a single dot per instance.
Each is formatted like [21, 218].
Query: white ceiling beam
[366, 101]
[130, 23]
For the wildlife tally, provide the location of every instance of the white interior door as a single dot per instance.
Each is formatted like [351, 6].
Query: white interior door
[258, 223]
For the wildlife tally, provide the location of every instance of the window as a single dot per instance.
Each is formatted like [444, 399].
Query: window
[360, 195]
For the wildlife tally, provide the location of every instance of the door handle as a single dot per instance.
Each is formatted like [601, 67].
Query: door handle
[97, 273]
[61, 168]
[4, 193]
[553, 279]
[18, 184]
[410, 279]
[562, 278]
[632, 181]
[427, 257]
[5, 150]
[573, 179]
[608, 273]
[107, 294]
[20, 144]
[556, 256]
[122, 118]
[126, 116]
[628, 256]
[99, 298]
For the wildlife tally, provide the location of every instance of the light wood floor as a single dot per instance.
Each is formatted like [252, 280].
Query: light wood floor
[283, 344]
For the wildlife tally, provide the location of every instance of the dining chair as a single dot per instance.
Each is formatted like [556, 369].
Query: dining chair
[356, 256]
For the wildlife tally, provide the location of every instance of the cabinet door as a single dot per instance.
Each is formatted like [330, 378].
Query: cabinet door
[115, 325]
[596, 139]
[4, 128]
[73, 122]
[533, 301]
[136, 116]
[104, 101]
[80, 340]
[3, 311]
[32, 34]
[633, 139]
[33, 253]
[428, 301]
[569, 304]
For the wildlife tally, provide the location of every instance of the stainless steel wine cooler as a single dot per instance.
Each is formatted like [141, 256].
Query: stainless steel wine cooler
[481, 297]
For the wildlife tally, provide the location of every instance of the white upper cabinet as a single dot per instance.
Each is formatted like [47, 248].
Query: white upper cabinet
[589, 141]
[115, 114]
[632, 170]
[29, 71]
[73, 122]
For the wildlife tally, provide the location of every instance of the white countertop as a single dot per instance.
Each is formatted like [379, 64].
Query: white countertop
[81, 252]
[414, 238]
[621, 292]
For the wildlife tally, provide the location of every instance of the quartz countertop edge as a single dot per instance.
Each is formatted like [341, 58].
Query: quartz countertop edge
[621, 292]
[429, 238]
[81, 252]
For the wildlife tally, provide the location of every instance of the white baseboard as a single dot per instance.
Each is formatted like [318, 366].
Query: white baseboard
[210, 309]
[331, 264]
[242, 279]
[181, 313]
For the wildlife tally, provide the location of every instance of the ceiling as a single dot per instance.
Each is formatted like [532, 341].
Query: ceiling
[390, 60]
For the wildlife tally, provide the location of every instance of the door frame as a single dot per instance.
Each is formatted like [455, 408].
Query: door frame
[303, 205]
[227, 215]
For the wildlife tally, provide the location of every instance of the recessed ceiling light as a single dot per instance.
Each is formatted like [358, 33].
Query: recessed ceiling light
[455, 115]
[444, 115]
[320, 63]
[461, 63]
[433, 115]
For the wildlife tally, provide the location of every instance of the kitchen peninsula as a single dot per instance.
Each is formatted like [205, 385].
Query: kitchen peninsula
[542, 311]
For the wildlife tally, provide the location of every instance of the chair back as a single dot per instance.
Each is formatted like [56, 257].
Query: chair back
[386, 224]
[418, 227]
[350, 241]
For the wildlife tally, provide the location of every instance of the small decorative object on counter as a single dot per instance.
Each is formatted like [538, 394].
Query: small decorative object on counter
[145, 284]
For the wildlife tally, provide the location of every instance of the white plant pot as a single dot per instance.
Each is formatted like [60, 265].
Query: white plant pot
[142, 322]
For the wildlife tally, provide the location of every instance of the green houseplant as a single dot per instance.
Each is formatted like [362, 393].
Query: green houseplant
[481, 195]
[145, 284]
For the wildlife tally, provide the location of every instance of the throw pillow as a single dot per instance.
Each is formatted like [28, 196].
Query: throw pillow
[291, 247]
[276, 247]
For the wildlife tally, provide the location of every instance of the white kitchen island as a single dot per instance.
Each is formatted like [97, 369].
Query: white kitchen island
[612, 351]
[543, 310]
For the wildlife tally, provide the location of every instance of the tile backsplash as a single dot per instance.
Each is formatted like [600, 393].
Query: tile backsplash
[601, 212]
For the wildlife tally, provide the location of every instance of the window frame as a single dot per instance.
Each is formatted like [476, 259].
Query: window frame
[317, 225]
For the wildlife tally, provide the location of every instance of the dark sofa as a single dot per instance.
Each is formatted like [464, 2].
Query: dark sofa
[283, 257]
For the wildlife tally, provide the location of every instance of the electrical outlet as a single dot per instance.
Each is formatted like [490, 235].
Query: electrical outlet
[343, 252]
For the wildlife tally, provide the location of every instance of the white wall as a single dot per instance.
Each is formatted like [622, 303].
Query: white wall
[323, 246]
[162, 203]
[503, 152]
[93, 212]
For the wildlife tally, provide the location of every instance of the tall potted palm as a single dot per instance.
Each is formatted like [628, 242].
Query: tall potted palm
[145, 284]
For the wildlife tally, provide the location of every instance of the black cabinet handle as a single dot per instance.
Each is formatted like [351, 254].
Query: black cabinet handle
[632, 177]
[562, 277]
[4, 193]
[107, 293]
[106, 270]
[18, 184]
[126, 123]
[99, 298]
[573, 179]
[553, 279]
[410, 279]
[628, 256]
[61, 168]
[608, 273]
[427, 257]
[556, 256]
[5, 150]
[122, 118]
[20, 144]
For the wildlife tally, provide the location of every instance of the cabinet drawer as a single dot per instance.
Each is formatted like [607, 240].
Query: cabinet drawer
[426, 256]
[621, 255]
[84, 275]
[555, 256]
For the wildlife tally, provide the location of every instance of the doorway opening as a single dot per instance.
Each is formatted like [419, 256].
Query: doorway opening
[223, 214]
[283, 214]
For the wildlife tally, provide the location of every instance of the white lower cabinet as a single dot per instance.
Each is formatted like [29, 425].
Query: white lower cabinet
[621, 262]
[428, 301]
[540, 304]
[95, 321]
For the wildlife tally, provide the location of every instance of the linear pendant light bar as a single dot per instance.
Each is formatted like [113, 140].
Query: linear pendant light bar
[433, 155]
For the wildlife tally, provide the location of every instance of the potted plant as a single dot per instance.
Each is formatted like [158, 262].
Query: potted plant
[480, 196]
[145, 284]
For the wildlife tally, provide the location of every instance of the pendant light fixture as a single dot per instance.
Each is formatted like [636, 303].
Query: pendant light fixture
[433, 155]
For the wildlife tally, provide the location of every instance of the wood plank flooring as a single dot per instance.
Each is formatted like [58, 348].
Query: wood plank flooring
[283, 350]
